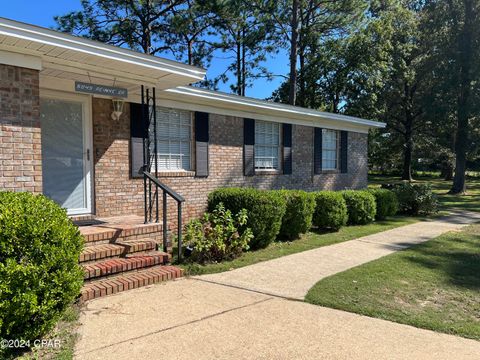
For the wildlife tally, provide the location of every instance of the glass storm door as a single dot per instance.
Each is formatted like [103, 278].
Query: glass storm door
[65, 154]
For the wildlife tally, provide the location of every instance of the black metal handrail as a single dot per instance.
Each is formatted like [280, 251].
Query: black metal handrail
[148, 209]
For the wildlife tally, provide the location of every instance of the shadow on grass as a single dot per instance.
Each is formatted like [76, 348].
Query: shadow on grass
[458, 260]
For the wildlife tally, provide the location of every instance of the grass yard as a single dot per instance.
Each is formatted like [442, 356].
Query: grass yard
[435, 285]
[65, 331]
[470, 201]
[308, 241]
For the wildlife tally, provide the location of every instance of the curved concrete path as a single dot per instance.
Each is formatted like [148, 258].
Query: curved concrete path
[195, 320]
[198, 319]
[293, 275]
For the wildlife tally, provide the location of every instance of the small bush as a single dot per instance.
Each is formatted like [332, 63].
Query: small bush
[216, 237]
[330, 210]
[416, 199]
[387, 203]
[39, 271]
[265, 211]
[361, 206]
[298, 215]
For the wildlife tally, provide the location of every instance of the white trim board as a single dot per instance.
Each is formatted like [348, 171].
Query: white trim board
[20, 60]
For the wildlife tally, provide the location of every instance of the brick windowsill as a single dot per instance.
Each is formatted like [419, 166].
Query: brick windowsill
[162, 174]
[268, 172]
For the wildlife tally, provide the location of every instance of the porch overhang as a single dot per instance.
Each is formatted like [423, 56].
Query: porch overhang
[66, 58]
[196, 99]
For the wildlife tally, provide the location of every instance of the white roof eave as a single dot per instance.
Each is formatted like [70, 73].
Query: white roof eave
[87, 46]
[287, 111]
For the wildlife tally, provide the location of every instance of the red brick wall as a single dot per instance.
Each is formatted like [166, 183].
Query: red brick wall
[20, 141]
[117, 193]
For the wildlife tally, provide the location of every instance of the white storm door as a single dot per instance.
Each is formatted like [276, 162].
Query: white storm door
[66, 158]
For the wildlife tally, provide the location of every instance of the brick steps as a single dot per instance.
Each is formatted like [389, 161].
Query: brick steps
[101, 251]
[120, 265]
[98, 234]
[128, 281]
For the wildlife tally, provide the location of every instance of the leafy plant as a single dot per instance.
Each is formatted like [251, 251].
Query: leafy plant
[298, 215]
[39, 271]
[216, 236]
[265, 211]
[416, 199]
[361, 206]
[330, 210]
[387, 203]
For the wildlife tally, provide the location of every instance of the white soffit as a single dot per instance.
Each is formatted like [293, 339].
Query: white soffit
[71, 56]
[191, 98]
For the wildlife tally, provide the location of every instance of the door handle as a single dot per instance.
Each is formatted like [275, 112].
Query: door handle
[88, 154]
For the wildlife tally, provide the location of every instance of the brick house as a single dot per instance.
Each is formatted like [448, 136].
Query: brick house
[60, 137]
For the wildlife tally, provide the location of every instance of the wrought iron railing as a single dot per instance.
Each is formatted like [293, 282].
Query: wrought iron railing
[151, 184]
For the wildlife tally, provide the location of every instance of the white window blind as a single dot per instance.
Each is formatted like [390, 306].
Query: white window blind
[267, 144]
[329, 149]
[174, 139]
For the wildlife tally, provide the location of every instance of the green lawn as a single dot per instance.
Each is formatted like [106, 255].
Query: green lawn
[470, 201]
[65, 331]
[435, 285]
[308, 241]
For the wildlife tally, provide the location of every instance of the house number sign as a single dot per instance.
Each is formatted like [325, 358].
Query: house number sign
[101, 90]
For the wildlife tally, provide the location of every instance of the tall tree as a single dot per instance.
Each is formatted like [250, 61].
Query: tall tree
[245, 35]
[140, 25]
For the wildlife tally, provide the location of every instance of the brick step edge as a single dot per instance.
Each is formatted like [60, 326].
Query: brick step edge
[120, 265]
[128, 281]
[103, 251]
[109, 234]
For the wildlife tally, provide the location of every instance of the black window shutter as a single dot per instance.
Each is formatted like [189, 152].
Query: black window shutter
[201, 144]
[137, 131]
[287, 148]
[249, 147]
[344, 152]
[317, 151]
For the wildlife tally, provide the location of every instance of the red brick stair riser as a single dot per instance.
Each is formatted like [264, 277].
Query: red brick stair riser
[120, 265]
[128, 281]
[102, 251]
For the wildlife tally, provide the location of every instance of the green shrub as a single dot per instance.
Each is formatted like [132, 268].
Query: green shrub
[39, 271]
[330, 210]
[361, 206]
[298, 215]
[215, 237]
[265, 211]
[416, 199]
[387, 203]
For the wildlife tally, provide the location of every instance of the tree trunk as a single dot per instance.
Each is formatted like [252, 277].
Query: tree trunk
[463, 99]
[239, 64]
[292, 93]
[244, 70]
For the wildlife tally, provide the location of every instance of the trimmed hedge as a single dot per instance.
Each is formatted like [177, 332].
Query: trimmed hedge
[330, 211]
[39, 271]
[361, 206]
[387, 203]
[299, 213]
[265, 210]
[416, 199]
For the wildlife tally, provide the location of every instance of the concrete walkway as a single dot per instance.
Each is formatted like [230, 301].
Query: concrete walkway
[195, 320]
[292, 276]
[198, 319]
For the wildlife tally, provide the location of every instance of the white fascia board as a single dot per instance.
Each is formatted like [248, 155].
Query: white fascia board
[20, 60]
[86, 46]
[274, 111]
[240, 113]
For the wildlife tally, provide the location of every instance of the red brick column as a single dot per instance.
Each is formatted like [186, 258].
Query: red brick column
[20, 138]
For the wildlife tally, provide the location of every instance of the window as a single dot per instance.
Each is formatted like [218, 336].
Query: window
[174, 135]
[267, 145]
[329, 149]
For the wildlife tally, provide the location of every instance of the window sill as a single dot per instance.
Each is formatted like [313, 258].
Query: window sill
[180, 173]
[268, 172]
[329, 172]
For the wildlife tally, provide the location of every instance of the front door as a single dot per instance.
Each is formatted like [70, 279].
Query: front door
[66, 166]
